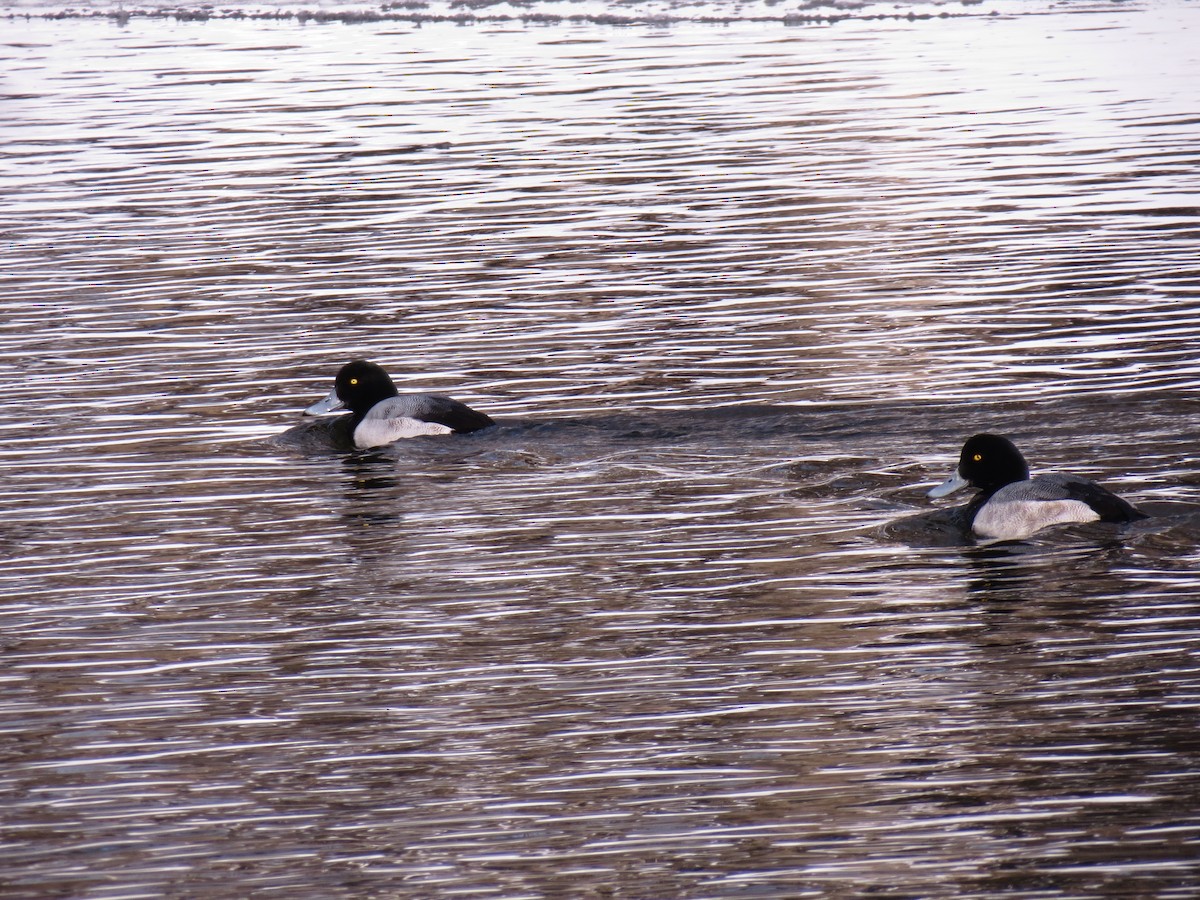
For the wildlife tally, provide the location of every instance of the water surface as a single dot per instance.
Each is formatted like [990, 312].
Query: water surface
[735, 294]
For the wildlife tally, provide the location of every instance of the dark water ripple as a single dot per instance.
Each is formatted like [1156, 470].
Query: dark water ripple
[735, 296]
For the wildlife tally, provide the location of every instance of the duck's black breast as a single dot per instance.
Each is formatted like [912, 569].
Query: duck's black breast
[319, 435]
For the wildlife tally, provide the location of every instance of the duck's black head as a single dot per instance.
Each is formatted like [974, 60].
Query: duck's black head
[361, 384]
[989, 462]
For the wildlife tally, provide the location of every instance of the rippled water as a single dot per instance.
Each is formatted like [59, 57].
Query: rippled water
[736, 294]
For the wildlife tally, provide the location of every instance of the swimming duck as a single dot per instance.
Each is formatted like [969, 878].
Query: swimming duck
[379, 414]
[1011, 506]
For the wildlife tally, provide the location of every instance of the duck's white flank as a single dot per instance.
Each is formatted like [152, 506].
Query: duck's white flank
[1002, 519]
[373, 432]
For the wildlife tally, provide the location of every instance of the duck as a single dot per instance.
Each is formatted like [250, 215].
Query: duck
[1011, 506]
[380, 414]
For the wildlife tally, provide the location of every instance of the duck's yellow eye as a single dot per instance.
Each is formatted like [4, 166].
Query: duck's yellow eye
[355, 381]
[977, 457]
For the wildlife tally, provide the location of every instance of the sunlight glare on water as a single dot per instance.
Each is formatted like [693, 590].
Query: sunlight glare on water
[735, 294]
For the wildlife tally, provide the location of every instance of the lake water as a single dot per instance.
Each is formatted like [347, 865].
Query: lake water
[735, 292]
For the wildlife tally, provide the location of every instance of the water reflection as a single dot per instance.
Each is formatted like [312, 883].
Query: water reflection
[372, 505]
[1024, 573]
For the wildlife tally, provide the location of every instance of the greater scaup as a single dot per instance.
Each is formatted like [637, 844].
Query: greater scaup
[379, 414]
[1011, 506]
